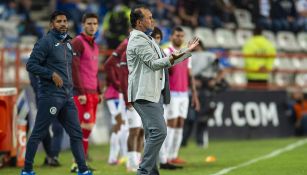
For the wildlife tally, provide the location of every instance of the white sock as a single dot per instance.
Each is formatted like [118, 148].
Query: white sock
[132, 161]
[124, 133]
[139, 157]
[163, 153]
[169, 142]
[177, 142]
[114, 147]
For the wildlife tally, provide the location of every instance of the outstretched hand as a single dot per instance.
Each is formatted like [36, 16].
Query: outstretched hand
[193, 43]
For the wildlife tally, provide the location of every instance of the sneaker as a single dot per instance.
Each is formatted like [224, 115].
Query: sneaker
[23, 172]
[88, 172]
[46, 162]
[54, 162]
[169, 166]
[177, 161]
[130, 169]
[74, 168]
[113, 162]
[123, 160]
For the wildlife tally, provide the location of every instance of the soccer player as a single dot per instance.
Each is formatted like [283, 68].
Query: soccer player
[115, 103]
[136, 131]
[85, 77]
[180, 78]
[51, 60]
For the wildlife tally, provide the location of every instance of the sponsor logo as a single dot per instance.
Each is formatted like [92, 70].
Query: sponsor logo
[251, 114]
[87, 116]
[57, 44]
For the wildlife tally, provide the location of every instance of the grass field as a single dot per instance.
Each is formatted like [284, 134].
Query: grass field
[245, 157]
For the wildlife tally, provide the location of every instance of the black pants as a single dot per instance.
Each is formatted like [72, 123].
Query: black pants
[65, 111]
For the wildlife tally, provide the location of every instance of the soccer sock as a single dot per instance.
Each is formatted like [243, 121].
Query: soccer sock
[138, 157]
[124, 133]
[163, 153]
[169, 142]
[114, 147]
[177, 142]
[86, 133]
[132, 160]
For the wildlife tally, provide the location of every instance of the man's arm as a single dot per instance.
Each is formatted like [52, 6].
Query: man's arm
[37, 58]
[195, 100]
[147, 54]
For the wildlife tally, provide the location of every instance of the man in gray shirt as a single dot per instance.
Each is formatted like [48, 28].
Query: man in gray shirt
[148, 86]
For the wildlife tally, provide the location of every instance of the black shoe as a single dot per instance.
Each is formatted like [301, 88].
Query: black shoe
[45, 162]
[168, 166]
[54, 162]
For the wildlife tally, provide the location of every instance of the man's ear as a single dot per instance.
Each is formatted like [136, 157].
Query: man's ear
[50, 25]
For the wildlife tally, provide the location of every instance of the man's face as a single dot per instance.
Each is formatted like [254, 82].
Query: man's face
[60, 24]
[147, 22]
[90, 26]
[157, 38]
[177, 38]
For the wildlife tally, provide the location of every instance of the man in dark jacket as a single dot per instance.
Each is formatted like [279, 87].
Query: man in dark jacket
[51, 61]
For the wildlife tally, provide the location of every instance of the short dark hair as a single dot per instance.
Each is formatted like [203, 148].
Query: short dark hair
[55, 14]
[89, 15]
[136, 14]
[156, 31]
[177, 29]
[257, 30]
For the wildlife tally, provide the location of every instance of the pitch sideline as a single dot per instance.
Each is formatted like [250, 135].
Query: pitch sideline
[268, 156]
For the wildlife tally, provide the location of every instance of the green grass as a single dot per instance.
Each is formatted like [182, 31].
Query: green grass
[229, 153]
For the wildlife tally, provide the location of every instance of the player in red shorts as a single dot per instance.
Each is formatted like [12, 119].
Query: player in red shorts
[85, 76]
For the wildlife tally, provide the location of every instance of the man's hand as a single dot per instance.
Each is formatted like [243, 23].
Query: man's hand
[193, 43]
[195, 102]
[82, 99]
[57, 80]
[100, 98]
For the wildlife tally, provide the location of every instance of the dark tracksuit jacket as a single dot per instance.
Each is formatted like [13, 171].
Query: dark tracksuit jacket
[51, 54]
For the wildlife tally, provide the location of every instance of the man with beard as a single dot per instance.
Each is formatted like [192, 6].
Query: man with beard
[51, 60]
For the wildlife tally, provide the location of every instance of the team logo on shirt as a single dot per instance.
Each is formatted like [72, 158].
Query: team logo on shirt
[53, 110]
[87, 116]
[57, 44]
[69, 46]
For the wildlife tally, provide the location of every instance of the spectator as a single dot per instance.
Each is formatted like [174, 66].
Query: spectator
[225, 10]
[188, 12]
[300, 113]
[261, 13]
[165, 12]
[257, 63]
[301, 7]
[116, 25]
[283, 13]
[207, 14]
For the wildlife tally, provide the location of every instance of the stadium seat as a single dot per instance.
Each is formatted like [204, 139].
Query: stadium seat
[206, 37]
[287, 41]
[301, 79]
[270, 36]
[236, 62]
[188, 33]
[201, 63]
[244, 19]
[282, 79]
[302, 40]
[242, 36]
[226, 39]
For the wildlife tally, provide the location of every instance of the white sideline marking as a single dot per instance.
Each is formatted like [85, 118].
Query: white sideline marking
[268, 156]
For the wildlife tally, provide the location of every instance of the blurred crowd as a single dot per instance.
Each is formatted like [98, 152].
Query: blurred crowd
[274, 15]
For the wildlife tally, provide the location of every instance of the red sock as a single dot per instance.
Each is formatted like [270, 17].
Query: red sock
[86, 133]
